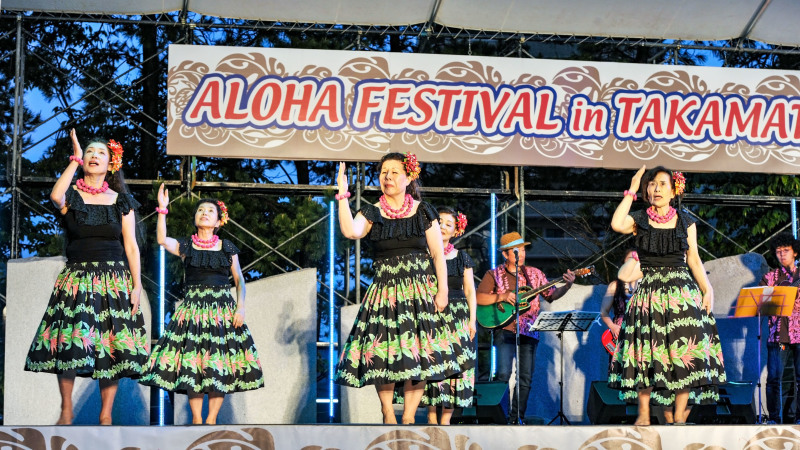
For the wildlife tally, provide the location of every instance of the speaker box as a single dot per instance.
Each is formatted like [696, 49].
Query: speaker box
[605, 407]
[486, 408]
[736, 406]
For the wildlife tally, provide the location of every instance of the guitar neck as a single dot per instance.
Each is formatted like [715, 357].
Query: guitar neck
[540, 289]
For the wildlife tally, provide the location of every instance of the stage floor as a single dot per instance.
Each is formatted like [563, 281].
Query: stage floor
[457, 437]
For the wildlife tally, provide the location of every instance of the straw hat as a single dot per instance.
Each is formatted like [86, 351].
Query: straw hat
[512, 240]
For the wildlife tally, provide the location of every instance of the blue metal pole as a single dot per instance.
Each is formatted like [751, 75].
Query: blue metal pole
[331, 312]
[161, 282]
[493, 261]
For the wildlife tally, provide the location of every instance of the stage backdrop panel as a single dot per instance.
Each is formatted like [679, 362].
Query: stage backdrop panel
[33, 398]
[281, 312]
[276, 103]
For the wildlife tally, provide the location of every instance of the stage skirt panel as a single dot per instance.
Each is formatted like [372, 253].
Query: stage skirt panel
[88, 327]
[398, 335]
[201, 351]
[668, 341]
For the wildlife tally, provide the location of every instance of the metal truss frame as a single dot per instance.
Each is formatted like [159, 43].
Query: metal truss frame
[517, 199]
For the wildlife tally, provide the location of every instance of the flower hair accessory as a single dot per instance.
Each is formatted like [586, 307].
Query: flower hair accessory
[223, 214]
[680, 182]
[116, 160]
[412, 166]
[461, 224]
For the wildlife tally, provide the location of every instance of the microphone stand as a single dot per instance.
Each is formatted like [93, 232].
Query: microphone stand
[516, 335]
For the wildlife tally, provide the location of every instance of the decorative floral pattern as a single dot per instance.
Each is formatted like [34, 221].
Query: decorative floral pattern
[398, 335]
[88, 326]
[668, 341]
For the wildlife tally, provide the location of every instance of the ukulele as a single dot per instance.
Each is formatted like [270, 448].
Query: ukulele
[500, 314]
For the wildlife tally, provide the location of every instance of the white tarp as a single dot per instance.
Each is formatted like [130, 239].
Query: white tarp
[653, 19]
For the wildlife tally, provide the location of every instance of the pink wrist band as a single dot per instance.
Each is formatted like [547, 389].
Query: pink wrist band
[162, 211]
[76, 159]
[342, 196]
[629, 193]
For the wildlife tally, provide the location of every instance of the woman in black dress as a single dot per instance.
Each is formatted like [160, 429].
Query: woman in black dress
[669, 347]
[400, 334]
[206, 348]
[456, 392]
[92, 326]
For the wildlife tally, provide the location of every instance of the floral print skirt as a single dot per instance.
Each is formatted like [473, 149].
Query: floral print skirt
[398, 335]
[455, 392]
[88, 327]
[668, 341]
[201, 351]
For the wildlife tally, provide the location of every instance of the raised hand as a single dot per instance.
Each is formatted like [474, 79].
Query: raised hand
[341, 179]
[637, 179]
[163, 197]
[76, 146]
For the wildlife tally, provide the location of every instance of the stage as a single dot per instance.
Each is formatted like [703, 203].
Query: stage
[473, 437]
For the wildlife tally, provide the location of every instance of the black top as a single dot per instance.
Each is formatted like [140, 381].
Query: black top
[396, 237]
[455, 273]
[207, 267]
[662, 247]
[94, 232]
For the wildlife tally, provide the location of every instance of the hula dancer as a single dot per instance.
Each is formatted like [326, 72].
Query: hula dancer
[207, 348]
[456, 392]
[92, 326]
[669, 346]
[399, 335]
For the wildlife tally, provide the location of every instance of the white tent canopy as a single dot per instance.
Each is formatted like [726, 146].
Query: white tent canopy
[769, 21]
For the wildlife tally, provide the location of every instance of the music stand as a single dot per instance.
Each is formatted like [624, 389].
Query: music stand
[764, 301]
[561, 321]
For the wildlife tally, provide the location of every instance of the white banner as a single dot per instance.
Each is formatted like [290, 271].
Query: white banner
[347, 105]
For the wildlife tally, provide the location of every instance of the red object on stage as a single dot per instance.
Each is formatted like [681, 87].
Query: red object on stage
[608, 341]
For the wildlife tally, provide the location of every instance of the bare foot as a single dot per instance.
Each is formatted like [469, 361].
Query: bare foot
[197, 421]
[211, 421]
[408, 420]
[65, 418]
[389, 417]
[105, 420]
[432, 419]
[642, 422]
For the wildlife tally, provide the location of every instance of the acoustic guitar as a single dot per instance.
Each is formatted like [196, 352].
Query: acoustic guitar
[500, 314]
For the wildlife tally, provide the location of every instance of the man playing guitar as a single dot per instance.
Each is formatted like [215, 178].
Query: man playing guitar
[498, 286]
[784, 332]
